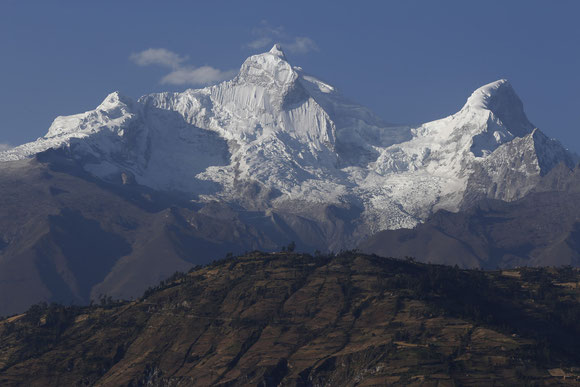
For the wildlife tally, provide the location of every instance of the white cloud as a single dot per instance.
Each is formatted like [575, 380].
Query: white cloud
[181, 74]
[203, 75]
[266, 35]
[265, 29]
[5, 147]
[260, 43]
[300, 45]
[159, 57]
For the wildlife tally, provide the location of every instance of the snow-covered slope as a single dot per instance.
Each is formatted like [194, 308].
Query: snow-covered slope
[277, 138]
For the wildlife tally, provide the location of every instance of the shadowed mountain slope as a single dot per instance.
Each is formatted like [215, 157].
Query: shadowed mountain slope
[541, 229]
[69, 237]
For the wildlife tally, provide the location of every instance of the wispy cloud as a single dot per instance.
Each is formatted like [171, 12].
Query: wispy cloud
[203, 75]
[259, 43]
[157, 56]
[5, 147]
[265, 35]
[181, 73]
[301, 45]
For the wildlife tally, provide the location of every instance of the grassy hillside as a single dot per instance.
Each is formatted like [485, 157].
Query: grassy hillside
[294, 319]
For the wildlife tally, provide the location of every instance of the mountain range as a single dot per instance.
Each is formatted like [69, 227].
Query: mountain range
[111, 200]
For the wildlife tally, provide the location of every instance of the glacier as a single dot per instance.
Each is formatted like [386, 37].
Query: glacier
[275, 138]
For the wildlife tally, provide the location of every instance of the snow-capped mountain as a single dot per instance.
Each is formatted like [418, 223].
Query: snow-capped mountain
[276, 138]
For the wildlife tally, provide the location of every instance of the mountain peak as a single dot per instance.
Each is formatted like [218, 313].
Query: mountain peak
[484, 96]
[115, 99]
[500, 98]
[277, 50]
[269, 69]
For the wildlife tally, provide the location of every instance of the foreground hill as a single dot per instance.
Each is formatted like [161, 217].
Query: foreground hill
[293, 319]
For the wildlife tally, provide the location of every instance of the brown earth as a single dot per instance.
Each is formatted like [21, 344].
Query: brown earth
[291, 319]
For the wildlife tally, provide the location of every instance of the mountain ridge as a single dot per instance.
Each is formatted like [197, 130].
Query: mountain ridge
[276, 130]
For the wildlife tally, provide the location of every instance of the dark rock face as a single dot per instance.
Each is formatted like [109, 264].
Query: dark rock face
[292, 319]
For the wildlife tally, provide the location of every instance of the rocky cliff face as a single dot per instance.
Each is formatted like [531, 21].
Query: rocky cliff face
[515, 168]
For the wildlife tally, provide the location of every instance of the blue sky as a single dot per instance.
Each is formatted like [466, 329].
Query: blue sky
[409, 61]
